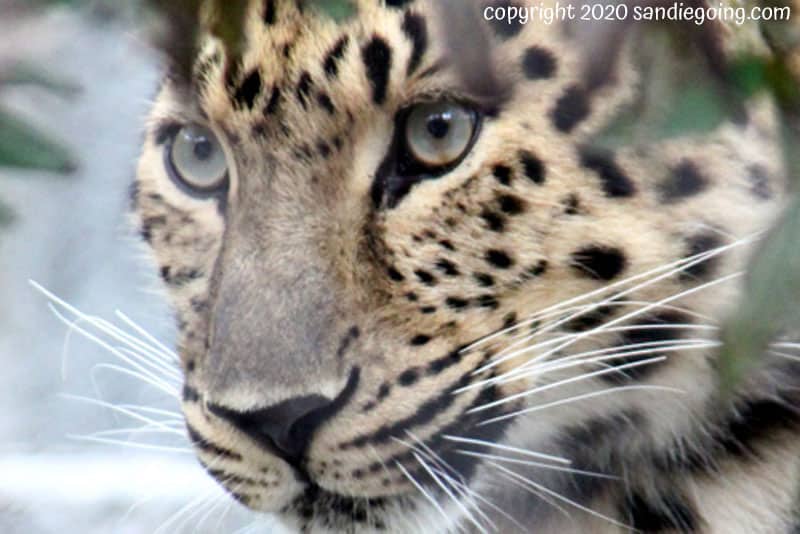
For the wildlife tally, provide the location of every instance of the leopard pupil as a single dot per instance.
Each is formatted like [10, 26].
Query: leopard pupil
[203, 149]
[439, 126]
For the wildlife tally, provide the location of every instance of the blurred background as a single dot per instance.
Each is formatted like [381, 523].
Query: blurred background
[79, 75]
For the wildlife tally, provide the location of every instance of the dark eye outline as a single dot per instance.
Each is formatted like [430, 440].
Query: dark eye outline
[219, 189]
[401, 170]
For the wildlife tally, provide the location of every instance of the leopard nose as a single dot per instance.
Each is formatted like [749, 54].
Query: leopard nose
[285, 428]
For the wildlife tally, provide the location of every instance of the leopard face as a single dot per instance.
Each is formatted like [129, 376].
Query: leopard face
[391, 248]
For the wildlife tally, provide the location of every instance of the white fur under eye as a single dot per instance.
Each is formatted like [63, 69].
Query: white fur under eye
[197, 158]
[437, 134]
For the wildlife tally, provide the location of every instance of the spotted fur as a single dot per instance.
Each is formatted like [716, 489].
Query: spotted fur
[443, 342]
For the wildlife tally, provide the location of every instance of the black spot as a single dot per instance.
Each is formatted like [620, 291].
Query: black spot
[269, 13]
[428, 309]
[589, 319]
[447, 244]
[395, 275]
[398, 3]
[248, 90]
[499, 258]
[179, 277]
[533, 167]
[572, 204]
[274, 101]
[502, 174]
[571, 108]
[684, 181]
[425, 277]
[190, 394]
[506, 28]
[599, 262]
[447, 267]
[653, 329]
[456, 303]
[615, 182]
[326, 103]
[440, 364]
[332, 58]
[408, 377]
[494, 221]
[415, 28]
[699, 244]
[539, 269]
[511, 204]
[377, 57]
[488, 301]
[323, 149]
[509, 320]
[538, 63]
[485, 280]
[304, 85]
[668, 513]
[759, 182]
[420, 339]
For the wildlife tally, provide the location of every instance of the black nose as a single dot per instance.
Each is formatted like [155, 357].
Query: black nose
[285, 427]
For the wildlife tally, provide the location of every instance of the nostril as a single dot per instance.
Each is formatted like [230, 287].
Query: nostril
[286, 426]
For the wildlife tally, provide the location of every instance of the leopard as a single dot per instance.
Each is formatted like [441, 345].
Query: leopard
[412, 294]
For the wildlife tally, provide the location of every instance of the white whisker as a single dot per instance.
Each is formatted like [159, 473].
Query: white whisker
[578, 398]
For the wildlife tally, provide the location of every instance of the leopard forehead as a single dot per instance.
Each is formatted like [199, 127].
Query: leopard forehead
[294, 283]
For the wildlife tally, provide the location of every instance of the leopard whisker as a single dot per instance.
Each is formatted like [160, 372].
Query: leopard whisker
[170, 390]
[425, 493]
[463, 488]
[528, 482]
[155, 380]
[166, 351]
[606, 326]
[578, 398]
[142, 446]
[444, 487]
[518, 461]
[663, 272]
[571, 380]
[539, 364]
[581, 359]
[507, 448]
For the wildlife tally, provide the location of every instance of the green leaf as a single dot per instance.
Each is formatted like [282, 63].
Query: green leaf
[679, 95]
[22, 145]
[770, 302]
[338, 10]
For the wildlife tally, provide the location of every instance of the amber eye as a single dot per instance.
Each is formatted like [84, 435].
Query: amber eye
[197, 160]
[439, 134]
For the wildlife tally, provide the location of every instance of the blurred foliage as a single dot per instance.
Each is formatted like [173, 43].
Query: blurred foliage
[23, 145]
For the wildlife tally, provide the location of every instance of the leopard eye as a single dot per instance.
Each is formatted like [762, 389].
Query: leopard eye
[439, 134]
[197, 160]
